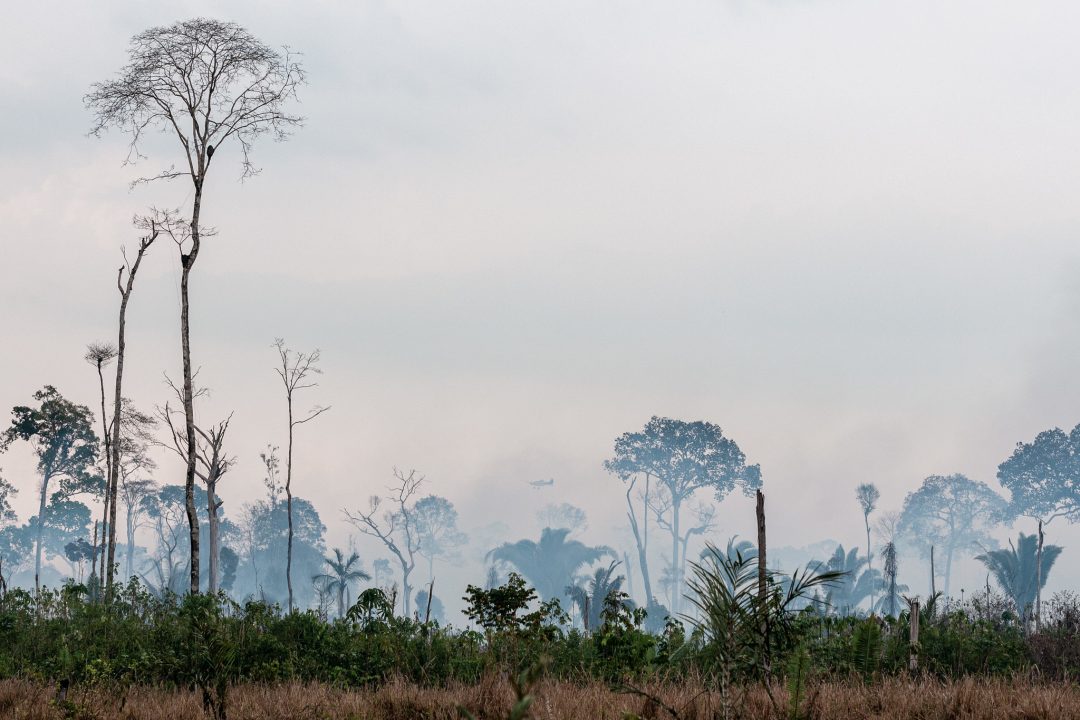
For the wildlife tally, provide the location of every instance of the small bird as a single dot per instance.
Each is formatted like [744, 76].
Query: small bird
[209, 151]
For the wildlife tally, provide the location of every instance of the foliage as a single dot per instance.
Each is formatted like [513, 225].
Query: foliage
[551, 563]
[854, 584]
[344, 572]
[590, 598]
[437, 530]
[506, 608]
[951, 513]
[144, 639]
[682, 458]
[1043, 476]
[1016, 570]
[61, 433]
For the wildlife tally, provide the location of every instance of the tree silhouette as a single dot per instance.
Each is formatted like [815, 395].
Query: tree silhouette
[344, 572]
[590, 595]
[682, 458]
[1016, 570]
[208, 84]
[397, 528]
[550, 564]
[297, 372]
[437, 530]
[853, 584]
[893, 597]
[952, 513]
[867, 494]
[1043, 476]
[62, 436]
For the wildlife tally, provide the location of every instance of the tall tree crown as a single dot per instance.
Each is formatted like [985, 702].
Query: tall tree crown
[684, 457]
[1043, 476]
[207, 82]
[60, 431]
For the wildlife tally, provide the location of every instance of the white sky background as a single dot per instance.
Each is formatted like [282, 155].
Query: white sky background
[844, 231]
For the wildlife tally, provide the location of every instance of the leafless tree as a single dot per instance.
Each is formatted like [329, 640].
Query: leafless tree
[211, 464]
[115, 442]
[297, 372]
[396, 528]
[99, 355]
[702, 518]
[209, 83]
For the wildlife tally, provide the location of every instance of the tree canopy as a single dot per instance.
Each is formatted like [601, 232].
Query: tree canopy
[1043, 476]
[952, 513]
[685, 457]
[550, 564]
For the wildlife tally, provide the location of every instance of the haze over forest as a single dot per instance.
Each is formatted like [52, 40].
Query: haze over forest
[845, 234]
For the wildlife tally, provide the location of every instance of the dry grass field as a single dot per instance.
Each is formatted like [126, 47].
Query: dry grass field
[492, 699]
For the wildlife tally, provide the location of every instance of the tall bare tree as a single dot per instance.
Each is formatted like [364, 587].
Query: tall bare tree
[209, 83]
[211, 464]
[397, 528]
[114, 443]
[297, 372]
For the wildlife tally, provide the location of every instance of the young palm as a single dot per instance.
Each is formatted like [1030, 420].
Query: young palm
[343, 573]
[855, 585]
[589, 597]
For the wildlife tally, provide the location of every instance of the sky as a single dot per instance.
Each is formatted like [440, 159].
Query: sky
[843, 231]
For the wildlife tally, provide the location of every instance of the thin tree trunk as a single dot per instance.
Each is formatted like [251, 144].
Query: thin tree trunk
[933, 574]
[40, 531]
[676, 579]
[641, 548]
[406, 588]
[1038, 580]
[869, 562]
[130, 544]
[763, 582]
[288, 500]
[186, 262]
[948, 568]
[115, 439]
[105, 522]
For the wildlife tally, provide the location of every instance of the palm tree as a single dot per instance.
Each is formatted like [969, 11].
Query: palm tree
[855, 584]
[893, 598]
[736, 625]
[551, 563]
[591, 597]
[1015, 570]
[342, 574]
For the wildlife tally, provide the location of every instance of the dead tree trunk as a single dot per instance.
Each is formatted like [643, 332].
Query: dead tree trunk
[913, 634]
[763, 589]
[117, 427]
[295, 372]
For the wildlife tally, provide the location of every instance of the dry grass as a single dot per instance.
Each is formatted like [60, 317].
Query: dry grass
[490, 699]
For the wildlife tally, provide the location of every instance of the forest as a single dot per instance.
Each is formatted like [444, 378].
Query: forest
[135, 590]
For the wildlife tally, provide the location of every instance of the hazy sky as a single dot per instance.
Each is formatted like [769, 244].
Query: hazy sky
[844, 231]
